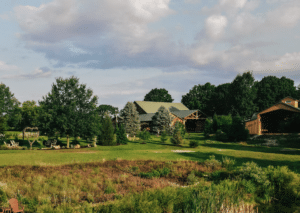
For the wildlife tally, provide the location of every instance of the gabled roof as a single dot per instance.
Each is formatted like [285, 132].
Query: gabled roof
[289, 97]
[183, 113]
[146, 117]
[152, 107]
[254, 116]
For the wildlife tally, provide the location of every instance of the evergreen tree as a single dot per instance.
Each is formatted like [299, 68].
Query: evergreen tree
[107, 132]
[238, 132]
[177, 138]
[161, 120]
[163, 136]
[130, 119]
[121, 135]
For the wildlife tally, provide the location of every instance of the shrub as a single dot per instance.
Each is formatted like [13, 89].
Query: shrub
[194, 144]
[164, 172]
[238, 132]
[148, 175]
[212, 162]
[109, 187]
[221, 136]
[192, 179]
[3, 197]
[228, 163]
[144, 135]
[208, 129]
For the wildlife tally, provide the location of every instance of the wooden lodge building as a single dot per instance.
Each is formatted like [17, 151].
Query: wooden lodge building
[268, 120]
[192, 119]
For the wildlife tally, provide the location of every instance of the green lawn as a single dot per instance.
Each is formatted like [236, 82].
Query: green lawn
[154, 150]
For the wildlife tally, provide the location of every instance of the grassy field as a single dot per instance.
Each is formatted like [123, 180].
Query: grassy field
[154, 150]
[139, 176]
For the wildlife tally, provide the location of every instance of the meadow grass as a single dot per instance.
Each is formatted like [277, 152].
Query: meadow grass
[154, 150]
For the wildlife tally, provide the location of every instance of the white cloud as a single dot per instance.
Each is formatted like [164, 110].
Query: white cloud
[37, 73]
[4, 67]
[215, 26]
[233, 3]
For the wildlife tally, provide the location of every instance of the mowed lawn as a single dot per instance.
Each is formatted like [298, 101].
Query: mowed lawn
[154, 150]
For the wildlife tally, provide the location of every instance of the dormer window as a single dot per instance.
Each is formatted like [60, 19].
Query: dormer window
[288, 102]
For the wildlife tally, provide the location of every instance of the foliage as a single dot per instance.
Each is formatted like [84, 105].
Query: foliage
[222, 122]
[228, 163]
[271, 90]
[242, 101]
[194, 144]
[70, 108]
[163, 136]
[3, 197]
[130, 119]
[219, 102]
[106, 136]
[9, 107]
[177, 135]
[212, 162]
[104, 108]
[199, 97]
[155, 173]
[161, 120]
[192, 179]
[221, 136]
[121, 135]
[144, 135]
[208, 127]
[158, 95]
[238, 132]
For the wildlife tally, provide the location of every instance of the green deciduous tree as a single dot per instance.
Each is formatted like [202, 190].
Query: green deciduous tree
[271, 90]
[106, 136]
[199, 98]
[159, 95]
[161, 120]
[238, 132]
[70, 108]
[104, 108]
[242, 95]
[8, 107]
[130, 119]
[219, 102]
[29, 115]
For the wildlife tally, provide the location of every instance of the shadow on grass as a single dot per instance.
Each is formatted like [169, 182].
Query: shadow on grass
[199, 156]
[275, 150]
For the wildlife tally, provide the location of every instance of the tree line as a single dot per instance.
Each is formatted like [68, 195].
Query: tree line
[243, 96]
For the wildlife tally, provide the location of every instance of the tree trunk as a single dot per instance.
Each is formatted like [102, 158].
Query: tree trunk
[95, 141]
[68, 142]
[23, 135]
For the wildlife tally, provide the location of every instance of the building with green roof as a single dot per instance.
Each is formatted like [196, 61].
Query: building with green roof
[192, 119]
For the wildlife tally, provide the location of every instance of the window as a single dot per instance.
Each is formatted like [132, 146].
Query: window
[288, 102]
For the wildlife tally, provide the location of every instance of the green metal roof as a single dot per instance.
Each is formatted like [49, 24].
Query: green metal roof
[152, 107]
[183, 113]
[146, 117]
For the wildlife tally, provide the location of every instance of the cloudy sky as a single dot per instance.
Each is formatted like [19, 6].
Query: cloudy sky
[122, 49]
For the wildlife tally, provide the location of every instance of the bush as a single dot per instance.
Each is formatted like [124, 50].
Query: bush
[144, 135]
[3, 197]
[228, 163]
[194, 144]
[192, 179]
[221, 136]
[164, 172]
[208, 129]
[238, 132]
[212, 162]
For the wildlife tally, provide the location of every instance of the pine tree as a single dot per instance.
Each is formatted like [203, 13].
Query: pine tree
[163, 136]
[130, 119]
[121, 135]
[107, 132]
[161, 120]
[177, 138]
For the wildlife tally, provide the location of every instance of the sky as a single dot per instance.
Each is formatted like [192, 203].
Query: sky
[122, 49]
